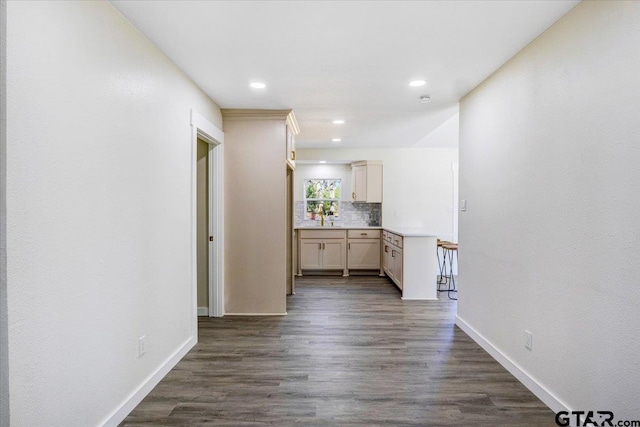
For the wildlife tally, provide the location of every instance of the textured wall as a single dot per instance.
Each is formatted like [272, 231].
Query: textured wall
[4, 353]
[98, 210]
[550, 241]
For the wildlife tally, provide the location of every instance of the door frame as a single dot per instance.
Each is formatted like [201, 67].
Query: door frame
[203, 129]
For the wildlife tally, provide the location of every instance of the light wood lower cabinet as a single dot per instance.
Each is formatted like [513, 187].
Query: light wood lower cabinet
[322, 250]
[363, 249]
[411, 263]
[364, 254]
[318, 254]
[396, 256]
[339, 249]
[311, 254]
[392, 262]
[333, 254]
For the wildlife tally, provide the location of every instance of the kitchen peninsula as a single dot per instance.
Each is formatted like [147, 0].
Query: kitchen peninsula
[406, 255]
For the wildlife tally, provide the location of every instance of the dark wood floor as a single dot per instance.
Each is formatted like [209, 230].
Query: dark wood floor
[350, 353]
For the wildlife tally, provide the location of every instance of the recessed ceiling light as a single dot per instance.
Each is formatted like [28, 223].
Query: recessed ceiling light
[336, 140]
[417, 83]
[322, 161]
[338, 122]
[258, 85]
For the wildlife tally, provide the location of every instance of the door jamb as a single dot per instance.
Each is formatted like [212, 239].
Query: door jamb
[202, 129]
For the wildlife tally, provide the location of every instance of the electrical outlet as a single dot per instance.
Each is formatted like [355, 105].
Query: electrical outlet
[142, 345]
[528, 340]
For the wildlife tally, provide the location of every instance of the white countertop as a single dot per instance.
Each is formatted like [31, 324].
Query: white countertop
[411, 231]
[329, 227]
[401, 231]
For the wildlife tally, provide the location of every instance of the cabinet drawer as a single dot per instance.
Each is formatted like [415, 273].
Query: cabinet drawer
[394, 239]
[323, 234]
[363, 234]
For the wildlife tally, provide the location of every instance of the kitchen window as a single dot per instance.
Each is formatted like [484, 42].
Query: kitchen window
[322, 197]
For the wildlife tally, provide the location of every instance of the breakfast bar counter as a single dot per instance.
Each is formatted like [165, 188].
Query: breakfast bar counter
[407, 255]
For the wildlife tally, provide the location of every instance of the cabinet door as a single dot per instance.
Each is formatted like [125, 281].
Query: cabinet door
[359, 183]
[364, 254]
[397, 267]
[386, 258]
[310, 254]
[291, 147]
[334, 254]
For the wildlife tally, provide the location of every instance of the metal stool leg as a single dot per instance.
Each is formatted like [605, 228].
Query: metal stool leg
[438, 255]
[444, 279]
[452, 284]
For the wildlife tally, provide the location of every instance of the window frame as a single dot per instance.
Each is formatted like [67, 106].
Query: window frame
[306, 200]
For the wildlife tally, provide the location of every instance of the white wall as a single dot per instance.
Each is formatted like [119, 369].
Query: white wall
[550, 242]
[310, 171]
[4, 354]
[98, 210]
[447, 135]
[418, 184]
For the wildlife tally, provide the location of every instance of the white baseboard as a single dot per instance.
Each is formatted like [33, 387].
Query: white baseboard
[418, 299]
[203, 311]
[555, 404]
[147, 385]
[256, 314]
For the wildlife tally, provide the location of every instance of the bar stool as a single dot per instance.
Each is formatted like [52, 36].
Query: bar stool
[442, 264]
[450, 249]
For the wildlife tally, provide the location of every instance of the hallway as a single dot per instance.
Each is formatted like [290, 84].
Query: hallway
[349, 353]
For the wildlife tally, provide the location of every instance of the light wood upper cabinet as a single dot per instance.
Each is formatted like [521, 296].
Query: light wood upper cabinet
[292, 131]
[366, 181]
[359, 182]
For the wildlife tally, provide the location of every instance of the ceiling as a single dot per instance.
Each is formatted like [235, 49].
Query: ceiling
[350, 60]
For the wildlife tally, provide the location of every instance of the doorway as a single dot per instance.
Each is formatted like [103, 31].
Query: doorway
[207, 219]
[291, 286]
[202, 208]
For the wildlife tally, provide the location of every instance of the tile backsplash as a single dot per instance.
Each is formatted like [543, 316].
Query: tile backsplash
[352, 215]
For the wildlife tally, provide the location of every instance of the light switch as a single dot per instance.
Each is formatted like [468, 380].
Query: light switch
[463, 205]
